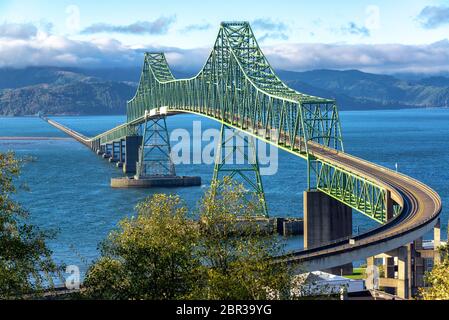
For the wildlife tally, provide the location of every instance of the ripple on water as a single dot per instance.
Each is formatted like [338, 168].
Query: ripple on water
[70, 185]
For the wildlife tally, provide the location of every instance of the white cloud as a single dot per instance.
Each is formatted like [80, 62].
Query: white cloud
[353, 29]
[275, 30]
[381, 58]
[61, 51]
[53, 50]
[196, 27]
[432, 17]
[17, 30]
[158, 26]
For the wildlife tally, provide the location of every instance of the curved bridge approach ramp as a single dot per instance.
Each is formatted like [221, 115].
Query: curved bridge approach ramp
[238, 87]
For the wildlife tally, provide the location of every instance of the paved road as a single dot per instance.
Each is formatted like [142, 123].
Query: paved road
[421, 209]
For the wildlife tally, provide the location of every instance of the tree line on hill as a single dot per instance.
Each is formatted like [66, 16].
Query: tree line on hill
[72, 91]
[164, 252]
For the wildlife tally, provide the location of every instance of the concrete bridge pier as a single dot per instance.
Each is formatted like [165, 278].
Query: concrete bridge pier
[437, 242]
[391, 281]
[326, 220]
[389, 272]
[405, 267]
[122, 150]
[404, 288]
[109, 148]
[121, 153]
[95, 146]
[99, 150]
[115, 156]
[130, 157]
[149, 156]
[107, 151]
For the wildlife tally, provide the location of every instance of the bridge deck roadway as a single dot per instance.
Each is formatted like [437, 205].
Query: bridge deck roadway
[75, 135]
[421, 209]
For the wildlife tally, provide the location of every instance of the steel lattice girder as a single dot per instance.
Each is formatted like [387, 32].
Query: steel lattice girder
[155, 152]
[356, 192]
[238, 87]
[243, 148]
[117, 133]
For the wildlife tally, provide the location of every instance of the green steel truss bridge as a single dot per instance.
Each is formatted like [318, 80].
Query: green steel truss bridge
[238, 88]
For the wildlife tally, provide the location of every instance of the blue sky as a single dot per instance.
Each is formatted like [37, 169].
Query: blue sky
[376, 36]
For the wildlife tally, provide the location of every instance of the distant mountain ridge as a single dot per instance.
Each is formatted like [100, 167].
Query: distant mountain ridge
[354, 89]
[60, 92]
[76, 91]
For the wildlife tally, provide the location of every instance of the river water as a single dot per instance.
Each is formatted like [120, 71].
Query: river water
[68, 185]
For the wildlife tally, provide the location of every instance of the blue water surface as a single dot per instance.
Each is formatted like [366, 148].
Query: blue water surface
[70, 186]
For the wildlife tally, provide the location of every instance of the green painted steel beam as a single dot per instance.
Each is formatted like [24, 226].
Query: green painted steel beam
[247, 173]
[155, 152]
[238, 87]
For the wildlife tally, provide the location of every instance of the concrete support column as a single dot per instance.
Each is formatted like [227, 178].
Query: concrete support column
[370, 263]
[389, 263]
[132, 145]
[95, 145]
[109, 148]
[371, 279]
[418, 244]
[108, 151]
[410, 270]
[437, 242]
[404, 271]
[418, 266]
[122, 151]
[390, 272]
[325, 220]
[389, 268]
[116, 150]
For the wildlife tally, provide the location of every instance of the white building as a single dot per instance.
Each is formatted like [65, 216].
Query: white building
[321, 283]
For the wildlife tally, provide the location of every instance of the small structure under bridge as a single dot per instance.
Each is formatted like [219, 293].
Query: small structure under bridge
[238, 88]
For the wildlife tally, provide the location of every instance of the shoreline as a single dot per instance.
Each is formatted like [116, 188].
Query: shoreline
[34, 138]
[117, 114]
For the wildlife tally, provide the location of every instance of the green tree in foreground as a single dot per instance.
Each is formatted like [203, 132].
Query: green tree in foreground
[238, 251]
[26, 267]
[438, 279]
[149, 257]
[163, 254]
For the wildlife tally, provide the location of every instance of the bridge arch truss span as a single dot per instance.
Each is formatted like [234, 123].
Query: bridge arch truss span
[238, 88]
